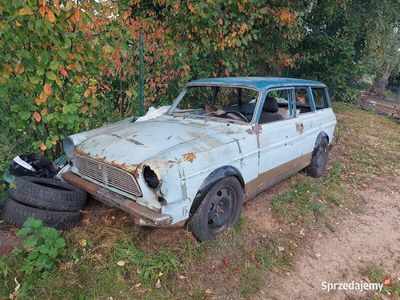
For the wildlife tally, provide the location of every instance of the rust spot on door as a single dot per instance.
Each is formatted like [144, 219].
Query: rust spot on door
[299, 127]
[190, 157]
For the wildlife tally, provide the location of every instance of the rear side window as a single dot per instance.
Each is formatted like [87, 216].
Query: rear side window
[320, 98]
[303, 102]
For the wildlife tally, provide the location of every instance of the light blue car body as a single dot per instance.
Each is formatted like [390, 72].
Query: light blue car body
[189, 153]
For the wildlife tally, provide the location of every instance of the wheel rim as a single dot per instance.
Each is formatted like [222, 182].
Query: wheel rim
[220, 208]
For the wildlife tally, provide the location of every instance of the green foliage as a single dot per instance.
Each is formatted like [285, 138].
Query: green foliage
[149, 266]
[47, 65]
[4, 266]
[329, 48]
[68, 66]
[42, 246]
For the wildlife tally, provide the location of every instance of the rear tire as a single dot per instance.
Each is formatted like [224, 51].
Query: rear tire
[16, 214]
[48, 194]
[219, 210]
[319, 159]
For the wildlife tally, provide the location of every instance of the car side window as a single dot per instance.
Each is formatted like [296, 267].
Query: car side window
[277, 106]
[320, 98]
[303, 101]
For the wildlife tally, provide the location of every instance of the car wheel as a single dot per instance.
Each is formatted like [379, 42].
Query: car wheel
[219, 210]
[319, 160]
[48, 194]
[16, 214]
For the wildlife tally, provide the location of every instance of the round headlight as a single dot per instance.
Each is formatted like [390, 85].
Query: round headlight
[150, 177]
[69, 148]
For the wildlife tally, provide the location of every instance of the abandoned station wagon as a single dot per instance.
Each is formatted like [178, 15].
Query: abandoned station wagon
[222, 141]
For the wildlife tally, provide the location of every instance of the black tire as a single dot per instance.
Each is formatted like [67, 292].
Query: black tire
[49, 194]
[209, 221]
[16, 214]
[319, 159]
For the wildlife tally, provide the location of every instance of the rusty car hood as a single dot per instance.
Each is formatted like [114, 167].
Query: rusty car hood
[130, 144]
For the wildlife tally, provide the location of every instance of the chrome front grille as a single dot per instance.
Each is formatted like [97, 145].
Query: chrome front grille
[107, 175]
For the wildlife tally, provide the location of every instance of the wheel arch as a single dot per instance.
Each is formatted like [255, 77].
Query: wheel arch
[212, 179]
[322, 135]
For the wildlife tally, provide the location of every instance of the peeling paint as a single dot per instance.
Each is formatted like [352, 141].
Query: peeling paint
[299, 127]
[249, 131]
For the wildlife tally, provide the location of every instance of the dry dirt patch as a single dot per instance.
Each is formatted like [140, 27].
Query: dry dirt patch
[358, 240]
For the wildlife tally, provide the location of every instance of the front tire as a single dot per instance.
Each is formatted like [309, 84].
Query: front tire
[319, 159]
[219, 210]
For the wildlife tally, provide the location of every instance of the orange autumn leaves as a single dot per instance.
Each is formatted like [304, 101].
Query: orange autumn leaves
[286, 16]
[36, 116]
[47, 90]
[19, 69]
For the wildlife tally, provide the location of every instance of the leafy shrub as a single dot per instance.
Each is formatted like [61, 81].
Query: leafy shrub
[4, 266]
[42, 246]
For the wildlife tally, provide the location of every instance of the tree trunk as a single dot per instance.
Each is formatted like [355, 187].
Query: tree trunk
[382, 81]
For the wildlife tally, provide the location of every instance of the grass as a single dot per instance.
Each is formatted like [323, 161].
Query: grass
[376, 273]
[311, 197]
[276, 253]
[108, 256]
[250, 282]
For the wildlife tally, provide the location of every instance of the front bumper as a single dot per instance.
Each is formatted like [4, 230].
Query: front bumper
[142, 214]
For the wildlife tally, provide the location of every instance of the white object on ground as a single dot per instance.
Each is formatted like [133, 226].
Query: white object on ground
[23, 163]
[153, 113]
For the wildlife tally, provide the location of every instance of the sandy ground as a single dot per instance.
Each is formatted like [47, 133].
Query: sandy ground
[337, 255]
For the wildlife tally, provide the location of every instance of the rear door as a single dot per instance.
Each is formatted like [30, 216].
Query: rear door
[313, 116]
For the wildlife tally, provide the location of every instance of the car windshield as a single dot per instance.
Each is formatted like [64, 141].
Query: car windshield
[232, 103]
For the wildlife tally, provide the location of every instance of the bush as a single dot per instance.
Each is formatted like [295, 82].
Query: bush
[42, 246]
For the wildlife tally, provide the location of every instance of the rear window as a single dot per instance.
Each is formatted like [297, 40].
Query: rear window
[320, 98]
[303, 102]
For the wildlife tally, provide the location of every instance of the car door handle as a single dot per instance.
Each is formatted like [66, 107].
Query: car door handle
[299, 127]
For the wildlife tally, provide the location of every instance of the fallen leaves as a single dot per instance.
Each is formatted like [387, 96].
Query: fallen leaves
[225, 261]
[83, 242]
[120, 263]
[65, 266]
[387, 281]
[158, 284]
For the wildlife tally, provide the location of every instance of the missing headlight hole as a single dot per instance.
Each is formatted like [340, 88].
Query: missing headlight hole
[150, 177]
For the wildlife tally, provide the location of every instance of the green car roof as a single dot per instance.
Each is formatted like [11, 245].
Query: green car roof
[259, 83]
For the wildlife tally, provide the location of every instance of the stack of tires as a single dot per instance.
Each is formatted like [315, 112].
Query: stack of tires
[57, 203]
